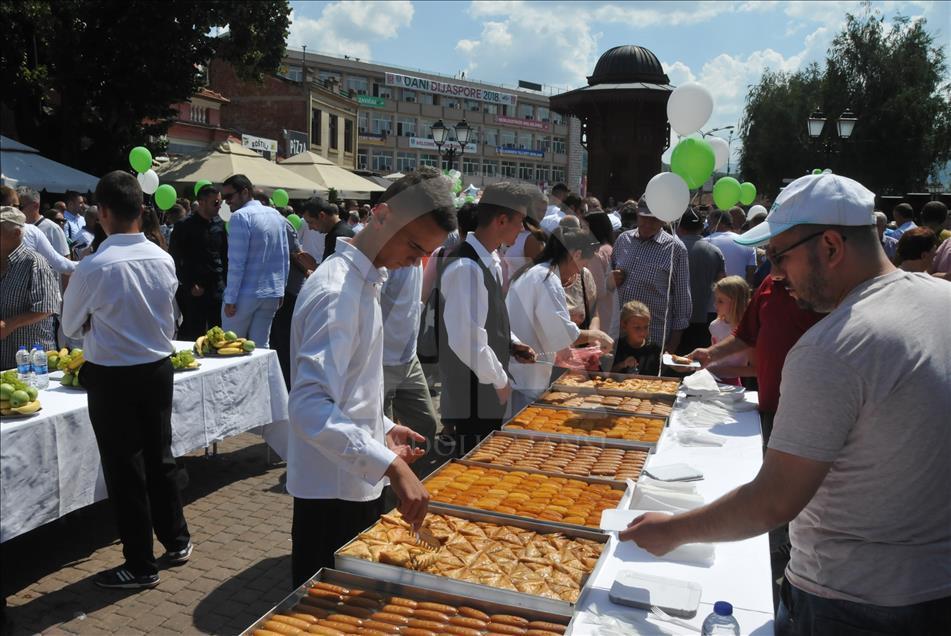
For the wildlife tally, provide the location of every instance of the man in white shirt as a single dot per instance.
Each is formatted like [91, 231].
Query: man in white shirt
[75, 206]
[475, 339]
[121, 301]
[30, 206]
[554, 213]
[904, 216]
[341, 444]
[34, 239]
[740, 260]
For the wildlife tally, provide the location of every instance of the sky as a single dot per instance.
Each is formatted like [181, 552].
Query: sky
[723, 45]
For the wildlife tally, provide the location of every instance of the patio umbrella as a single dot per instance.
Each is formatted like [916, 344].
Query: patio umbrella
[23, 165]
[321, 170]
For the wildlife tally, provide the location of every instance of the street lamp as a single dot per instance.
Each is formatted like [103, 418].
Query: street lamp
[844, 125]
[815, 123]
[440, 133]
[704, 135]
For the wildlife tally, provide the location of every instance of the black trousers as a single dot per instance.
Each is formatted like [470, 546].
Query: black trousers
[199, 314]
[281, 335]
[323, 526]
[131, 410]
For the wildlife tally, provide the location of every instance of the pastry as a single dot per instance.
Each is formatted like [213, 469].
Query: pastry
[566, 422]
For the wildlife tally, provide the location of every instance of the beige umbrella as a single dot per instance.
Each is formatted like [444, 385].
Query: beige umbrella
[312, 166]
[230, 158]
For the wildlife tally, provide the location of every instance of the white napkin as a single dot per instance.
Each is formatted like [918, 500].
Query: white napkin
[669, 486]
[696, 438]
[648, 498]
[613, 521]
[701, 383]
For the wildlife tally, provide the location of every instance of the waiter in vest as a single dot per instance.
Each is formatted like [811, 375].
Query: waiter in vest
[475, 339]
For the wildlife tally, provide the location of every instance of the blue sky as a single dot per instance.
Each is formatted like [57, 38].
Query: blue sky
[723, 45]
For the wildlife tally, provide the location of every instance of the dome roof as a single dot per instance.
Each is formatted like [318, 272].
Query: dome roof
[627, 64]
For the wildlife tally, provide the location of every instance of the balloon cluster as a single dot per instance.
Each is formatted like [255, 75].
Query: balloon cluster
[693, 159]
[141, 161]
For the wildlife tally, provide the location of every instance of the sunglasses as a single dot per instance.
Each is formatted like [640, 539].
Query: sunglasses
[776, 258]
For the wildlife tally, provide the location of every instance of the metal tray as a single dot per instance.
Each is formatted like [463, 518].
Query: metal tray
[601, 410]
[346, 579]
[521, 600]
[626, 443]
[557, 386]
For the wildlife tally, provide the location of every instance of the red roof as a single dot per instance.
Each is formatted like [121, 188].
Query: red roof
[210, 94]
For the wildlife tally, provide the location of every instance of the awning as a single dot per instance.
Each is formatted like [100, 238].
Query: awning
[22, 165]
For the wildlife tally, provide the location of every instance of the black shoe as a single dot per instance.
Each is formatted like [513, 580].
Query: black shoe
[121, 578]
[178, 557]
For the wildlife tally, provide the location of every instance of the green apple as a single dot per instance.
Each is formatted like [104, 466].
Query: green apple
[248, 345]
[32, 392]
[230, 335]
[6, 390]
[19, 398]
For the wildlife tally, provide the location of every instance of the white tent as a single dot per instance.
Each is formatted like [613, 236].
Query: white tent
[22, 165]
[312, 166]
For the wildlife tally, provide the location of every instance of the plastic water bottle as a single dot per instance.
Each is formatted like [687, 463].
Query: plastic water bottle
[24, 365]
[41, 372]
[721, 621]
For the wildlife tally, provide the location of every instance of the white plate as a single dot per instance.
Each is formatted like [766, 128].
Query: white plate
[669, 361]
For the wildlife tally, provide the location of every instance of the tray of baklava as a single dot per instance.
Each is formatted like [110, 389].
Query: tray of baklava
[618, 384]
[630, 430]
[608, 404]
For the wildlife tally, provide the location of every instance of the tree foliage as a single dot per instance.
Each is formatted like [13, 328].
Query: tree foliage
[891, 75]
[85, 81]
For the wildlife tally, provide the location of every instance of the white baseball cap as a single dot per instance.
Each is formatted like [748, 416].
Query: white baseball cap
[820, 199]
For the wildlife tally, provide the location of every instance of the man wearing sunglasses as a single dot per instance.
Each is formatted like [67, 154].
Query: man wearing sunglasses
[858, 458]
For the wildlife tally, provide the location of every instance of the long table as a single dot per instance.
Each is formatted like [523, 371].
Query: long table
[50, 464]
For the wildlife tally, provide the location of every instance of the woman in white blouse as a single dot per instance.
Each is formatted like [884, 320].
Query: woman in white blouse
[538, 312]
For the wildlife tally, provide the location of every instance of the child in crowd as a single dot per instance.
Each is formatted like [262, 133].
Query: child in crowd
[634, 354]
[731, 295]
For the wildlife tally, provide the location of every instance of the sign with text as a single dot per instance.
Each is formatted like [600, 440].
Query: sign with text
[295, 142]
[260, 144]
[369, 100]
[372, 139]
[523, 123]
[520, 152]
[428, 144]
[445, 88]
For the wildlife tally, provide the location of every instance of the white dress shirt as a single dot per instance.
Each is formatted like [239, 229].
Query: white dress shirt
[126, 292]
[55, 235]
[34, 239]
[466, 307]
[615, 220]
[539, 316]
[402, 308]
[736, 257]
[312, 241]
[337, 447]
[553, 217]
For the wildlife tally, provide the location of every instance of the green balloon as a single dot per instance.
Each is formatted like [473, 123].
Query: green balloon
[726, 192]
[817, 171]
[693, 160]
[280, 198]
[165, 196]
[747, 193]
[201, 184]
[295, 221]
[227, 230]
[140, 159]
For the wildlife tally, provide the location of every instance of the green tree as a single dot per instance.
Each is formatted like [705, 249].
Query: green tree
[85, 81]
[892, 75]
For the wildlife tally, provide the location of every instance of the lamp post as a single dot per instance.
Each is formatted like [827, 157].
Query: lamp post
[440, 133]
[729, 156]
[844, 125]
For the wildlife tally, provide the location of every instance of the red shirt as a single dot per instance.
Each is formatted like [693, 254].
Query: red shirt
[772, 324]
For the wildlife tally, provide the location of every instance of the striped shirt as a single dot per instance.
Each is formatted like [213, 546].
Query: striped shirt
[29, 285]
[646, 265]
[258, 255]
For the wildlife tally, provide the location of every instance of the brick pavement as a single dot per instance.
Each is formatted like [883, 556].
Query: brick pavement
[240, 520]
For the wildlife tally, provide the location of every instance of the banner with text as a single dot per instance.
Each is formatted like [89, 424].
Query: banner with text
[429, 144]
[523, 123]
[445, 88]
[296, 142]
[520, 152]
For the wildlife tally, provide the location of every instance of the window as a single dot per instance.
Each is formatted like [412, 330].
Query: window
[406, 127]
[541, 174]
[328, 76]
[428, 160]
[294, 73]
[525, 171]
[452, 102]
[558, 145]
[405, 162]
[490, 168]
[409, 96]
[382, 161]
[348, 135]
[475, 134]
[425, 128]
[316, 123]
[363, 121]
[358, 85]
[472, 106]
[332, 132]
[504, 110]
[426, 98]
[557, 174]
[525, 111]
[542, 113]
[509, 170]
[362, 159]
[382, 124]
[525, 141]
[507, 138]
[543, 143]
[557, 118]
[492, 109]
[382, 90]
[491, 136]
[470, 166]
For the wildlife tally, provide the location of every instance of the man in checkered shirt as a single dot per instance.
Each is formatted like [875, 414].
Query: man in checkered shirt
[641, 261]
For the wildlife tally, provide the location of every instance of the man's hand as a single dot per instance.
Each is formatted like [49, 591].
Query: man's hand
[505, 393]
[197, 290]
[523, 353]
[230, 310]
[603, 340]
[399, 441]
[701, 355]
[652, 531]
[619, 276]
[413, 497]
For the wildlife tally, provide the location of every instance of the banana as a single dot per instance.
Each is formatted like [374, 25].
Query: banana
[219, 345]
[200, 345]
[27, 409]
[76, 362]
[64, 353]
[193, 365]
[230, 351]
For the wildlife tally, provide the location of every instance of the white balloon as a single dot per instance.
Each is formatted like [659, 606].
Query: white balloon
[148, 181]
[721, 149]
[689, 108]
[667, 196]
[224, 212]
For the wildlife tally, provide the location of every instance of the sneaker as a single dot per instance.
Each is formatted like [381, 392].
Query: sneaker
[122, 579]
[178, 557]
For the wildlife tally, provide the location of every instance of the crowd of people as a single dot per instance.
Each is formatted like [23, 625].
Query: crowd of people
[498, 296]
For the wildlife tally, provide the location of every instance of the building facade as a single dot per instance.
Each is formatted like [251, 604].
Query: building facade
[197, 127]
[515, 135]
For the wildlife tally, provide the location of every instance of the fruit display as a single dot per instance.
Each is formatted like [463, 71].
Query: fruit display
[570, 458]
[550, 565]
[531, 495]
[70, 362]
[617, 382]
[184, 360]
[16, 397]
[334, 609]
[222, 343]
[646, 406]
[587, 424]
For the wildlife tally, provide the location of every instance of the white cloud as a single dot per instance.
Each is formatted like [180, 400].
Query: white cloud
[346, 28]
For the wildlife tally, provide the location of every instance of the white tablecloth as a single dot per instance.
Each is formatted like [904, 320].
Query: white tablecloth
[50, 462]
[741, 574]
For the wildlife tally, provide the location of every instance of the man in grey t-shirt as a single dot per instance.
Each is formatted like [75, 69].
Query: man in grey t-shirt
[707, 266]
[858, 458]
